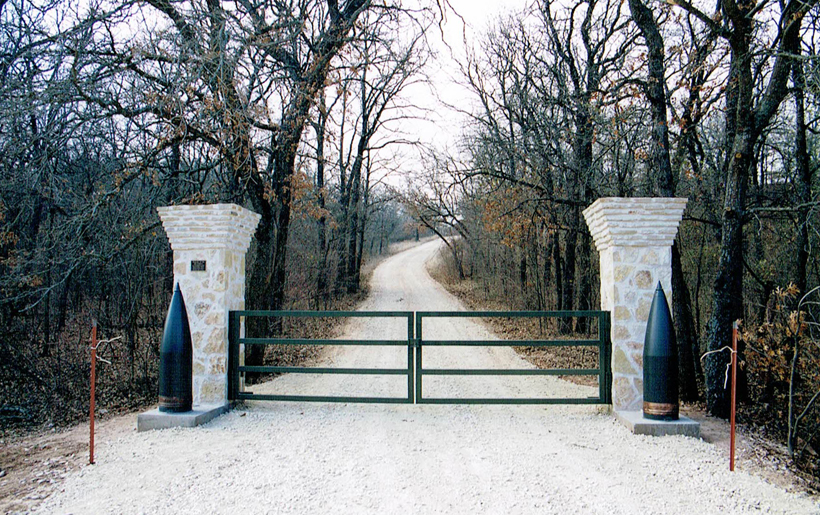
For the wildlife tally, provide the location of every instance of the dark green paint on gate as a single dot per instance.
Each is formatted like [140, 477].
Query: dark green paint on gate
[415, 344]
[234, 369]
[602, 343]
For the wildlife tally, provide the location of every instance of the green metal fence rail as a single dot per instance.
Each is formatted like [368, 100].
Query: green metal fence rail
[235, 341]
[602, 343]
[415, 343]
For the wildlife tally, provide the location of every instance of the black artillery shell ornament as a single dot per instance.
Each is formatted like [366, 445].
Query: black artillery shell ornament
[176, 359]
[660, 362]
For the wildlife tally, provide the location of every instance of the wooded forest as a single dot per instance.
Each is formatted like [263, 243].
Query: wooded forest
[717, 103]
[300, 110]
[111, 109]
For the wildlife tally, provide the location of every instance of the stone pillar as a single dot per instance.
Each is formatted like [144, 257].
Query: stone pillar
[634, 238]
[209, 244]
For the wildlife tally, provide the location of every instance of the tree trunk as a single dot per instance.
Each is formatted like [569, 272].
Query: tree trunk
[357, 274]
[549, 242]
[344, 222]
[803, 174]
[283, 167]
[728, 292]
[259, 283]
[582, 163]
[353, 227]
[571, 246]
[666, 181]
[321, 223]
[688, 349]
[584, 281]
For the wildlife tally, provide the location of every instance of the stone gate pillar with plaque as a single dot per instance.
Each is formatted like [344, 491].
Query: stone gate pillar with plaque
[209, 244]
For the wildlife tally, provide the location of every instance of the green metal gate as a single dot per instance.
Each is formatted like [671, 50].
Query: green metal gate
[234, 342]
[415, 344]
[602, 343]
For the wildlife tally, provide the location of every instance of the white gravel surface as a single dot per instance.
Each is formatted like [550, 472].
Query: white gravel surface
[355, 458]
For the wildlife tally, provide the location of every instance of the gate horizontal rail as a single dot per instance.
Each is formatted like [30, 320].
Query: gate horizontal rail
[512, 343]
[508, 372]
[602, 343]
[415, 344]
[235, 342]
[511, 400]
[510, 314]
[309, 341]
[324, 370]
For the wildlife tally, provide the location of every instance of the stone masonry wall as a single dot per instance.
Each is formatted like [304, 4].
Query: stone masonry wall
[634, 238]
[218, 235]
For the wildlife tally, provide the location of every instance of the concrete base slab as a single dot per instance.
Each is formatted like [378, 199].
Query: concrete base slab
[635, 422]
[202, 414]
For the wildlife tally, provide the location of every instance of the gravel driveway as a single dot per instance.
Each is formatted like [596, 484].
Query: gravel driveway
[352, 458]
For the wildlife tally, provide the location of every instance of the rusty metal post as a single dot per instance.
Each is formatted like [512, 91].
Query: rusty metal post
[734, 399]
[93, 390]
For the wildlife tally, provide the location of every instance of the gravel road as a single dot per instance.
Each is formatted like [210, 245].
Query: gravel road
[353, 458]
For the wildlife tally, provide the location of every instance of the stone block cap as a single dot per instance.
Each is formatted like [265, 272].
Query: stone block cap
[634, 222]
[210, 226]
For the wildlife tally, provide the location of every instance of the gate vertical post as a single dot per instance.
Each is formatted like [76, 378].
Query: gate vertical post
[604, 364]
[634, 239]
[419, 357]
[411, 358]
[234, 328]
[209, 244]
[606, 331]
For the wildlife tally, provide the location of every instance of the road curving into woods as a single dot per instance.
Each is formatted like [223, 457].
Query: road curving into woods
[270, 457]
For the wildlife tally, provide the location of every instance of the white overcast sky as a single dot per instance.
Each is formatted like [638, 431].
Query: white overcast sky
[445, 126]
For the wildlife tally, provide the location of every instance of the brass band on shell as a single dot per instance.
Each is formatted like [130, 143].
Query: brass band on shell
[660, 409]
[173, 404]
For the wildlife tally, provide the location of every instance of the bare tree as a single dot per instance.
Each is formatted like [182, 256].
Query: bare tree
[435, 200]
[654, 88]
[746, 120]
[382, 66]
[242, 80]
